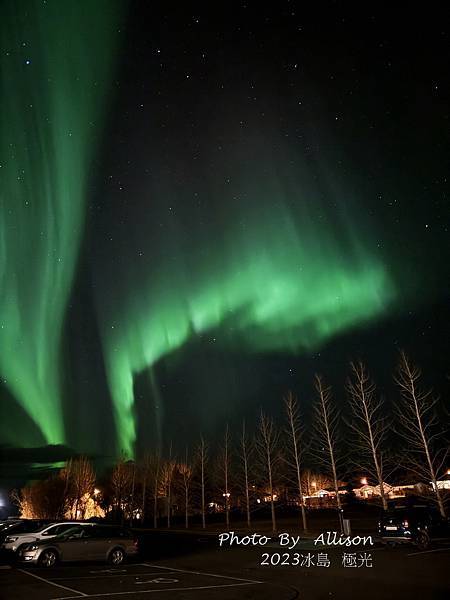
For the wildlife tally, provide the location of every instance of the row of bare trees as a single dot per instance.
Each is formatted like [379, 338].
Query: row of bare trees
[273, 458]
[415, 422]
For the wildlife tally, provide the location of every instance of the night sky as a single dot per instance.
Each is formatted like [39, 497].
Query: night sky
[201, 208]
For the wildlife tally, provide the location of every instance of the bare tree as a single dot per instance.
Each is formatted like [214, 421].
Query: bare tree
[156, 483]
[314, 481]
[268, 450]
[418, 427]
[121, 480]
[146, 469]
[368, 424]
[66, 476]
[133, 486]
[82, 482]
[147, 473]
[42, 499]
[245, 453]
[224, 465]
[185, 471]
[166, 474]
[326, 433]
[201, 461]
[294, 447]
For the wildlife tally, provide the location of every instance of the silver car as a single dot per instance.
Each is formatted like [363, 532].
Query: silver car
[17, 541]
[87, 541]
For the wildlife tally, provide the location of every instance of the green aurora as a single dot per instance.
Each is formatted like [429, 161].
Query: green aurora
[55, 71]
[266, 281]
[263, 276]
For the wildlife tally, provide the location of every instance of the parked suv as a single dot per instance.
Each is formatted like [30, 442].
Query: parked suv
[418, 525]
[87, 541]
[16, 541]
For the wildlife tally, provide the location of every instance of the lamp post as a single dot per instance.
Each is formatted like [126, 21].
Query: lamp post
[226, 495]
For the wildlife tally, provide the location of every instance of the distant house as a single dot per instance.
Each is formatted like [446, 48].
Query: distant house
[443, 483]
[400, 491]
[324, 497]
[367, 491]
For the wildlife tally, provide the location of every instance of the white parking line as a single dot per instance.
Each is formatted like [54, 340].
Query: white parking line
[160, 591]
[137, 574]
[428, 551]
[55, 584]
[201, 573]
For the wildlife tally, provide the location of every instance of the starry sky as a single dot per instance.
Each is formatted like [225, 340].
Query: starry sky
[202, 208]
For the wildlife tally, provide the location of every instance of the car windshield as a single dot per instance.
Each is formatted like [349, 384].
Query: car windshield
[41, 527]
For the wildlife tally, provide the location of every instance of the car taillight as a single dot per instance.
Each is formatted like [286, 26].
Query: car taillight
[405, 523]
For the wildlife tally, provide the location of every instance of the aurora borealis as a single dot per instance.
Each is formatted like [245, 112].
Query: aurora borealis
[197, 210]
[55, 71]
[280, 283]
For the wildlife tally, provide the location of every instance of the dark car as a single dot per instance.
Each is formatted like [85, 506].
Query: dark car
[419, 525]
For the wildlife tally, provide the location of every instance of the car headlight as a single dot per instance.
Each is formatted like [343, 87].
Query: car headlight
[32, 547]
[11, 539]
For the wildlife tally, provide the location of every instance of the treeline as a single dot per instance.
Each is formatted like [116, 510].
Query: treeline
[271, 466]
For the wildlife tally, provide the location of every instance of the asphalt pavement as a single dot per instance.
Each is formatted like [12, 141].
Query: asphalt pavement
[180, 566]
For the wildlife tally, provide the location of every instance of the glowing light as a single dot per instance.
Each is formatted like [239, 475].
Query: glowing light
[50, 120]
[280, 284]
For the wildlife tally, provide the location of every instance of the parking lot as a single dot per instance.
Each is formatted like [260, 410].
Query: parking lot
[195, 568]
[96, 581]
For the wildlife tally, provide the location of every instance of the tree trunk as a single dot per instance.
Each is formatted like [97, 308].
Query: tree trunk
[155, 497]
[169, 503]
[144, 491]
[203, 482]
[132, 495]
[247, 496]
[272, 503]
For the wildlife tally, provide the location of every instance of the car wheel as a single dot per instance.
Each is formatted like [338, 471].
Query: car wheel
[116, 556]
[422, 540]
[48, 558]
